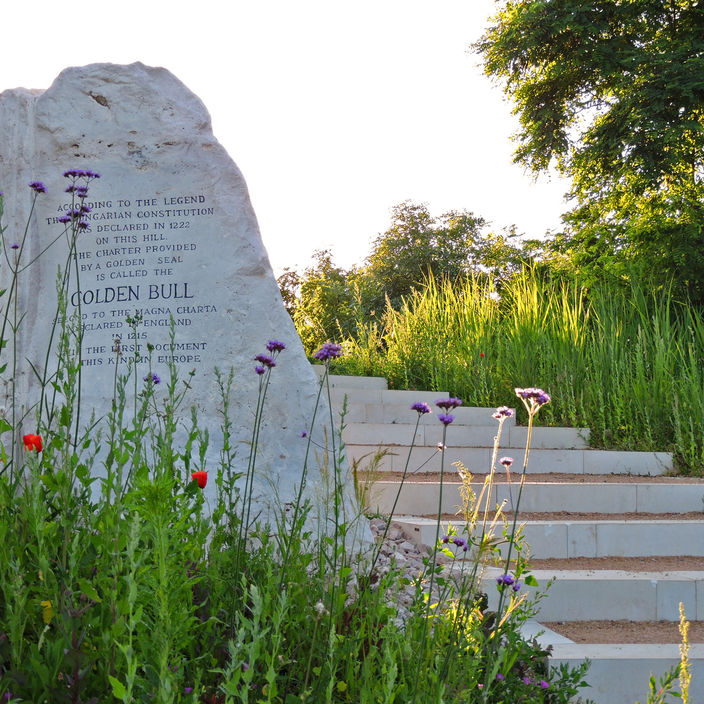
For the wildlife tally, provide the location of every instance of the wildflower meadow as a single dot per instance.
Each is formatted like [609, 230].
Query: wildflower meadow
[120, 582]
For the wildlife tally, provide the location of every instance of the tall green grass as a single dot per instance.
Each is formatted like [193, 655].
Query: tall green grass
[625, 363]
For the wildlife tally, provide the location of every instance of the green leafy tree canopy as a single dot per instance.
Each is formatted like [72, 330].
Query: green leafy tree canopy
[611, 92]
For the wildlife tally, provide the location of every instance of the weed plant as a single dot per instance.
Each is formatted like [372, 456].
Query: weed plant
[625, 364]
[118, 583]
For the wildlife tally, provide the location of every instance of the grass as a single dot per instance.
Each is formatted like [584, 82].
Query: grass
[119, 583]
[625, 363]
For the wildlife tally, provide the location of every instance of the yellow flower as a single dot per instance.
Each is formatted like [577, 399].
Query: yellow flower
[48, 611]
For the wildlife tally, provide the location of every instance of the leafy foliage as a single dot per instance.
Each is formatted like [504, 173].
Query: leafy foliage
[612, 93]
[327, 302]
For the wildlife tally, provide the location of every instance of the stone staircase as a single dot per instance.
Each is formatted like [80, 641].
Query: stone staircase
[616, 519]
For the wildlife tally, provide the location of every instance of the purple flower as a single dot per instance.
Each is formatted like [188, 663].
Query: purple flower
[266, 360]
[81, 173]
[544, 684]
[80, 225]
[8, 695]
[37, 186]
[330, 350]
[460, 543]
[516, 586]
[506, 461]
[15, 245]
[154, 378]
[259, 370]
[503, 412]
[421, 408]
[527, 680]
[445, 419]
[275, 346]
[445, 539]
[500, 677]
[188, 690]
[505, 579]
[304, 433]
[448, 403]
[64, 219]
[538, 396]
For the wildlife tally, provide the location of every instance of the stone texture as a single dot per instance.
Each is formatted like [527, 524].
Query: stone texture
[172, 233]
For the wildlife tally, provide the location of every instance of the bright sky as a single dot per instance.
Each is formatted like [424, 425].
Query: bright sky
[334, 110]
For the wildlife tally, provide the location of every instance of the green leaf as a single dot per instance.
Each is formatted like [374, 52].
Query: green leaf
[118, 689]
[531, 581]
[89, 590]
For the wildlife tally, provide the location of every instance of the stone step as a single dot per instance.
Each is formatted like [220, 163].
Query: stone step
[421, 498]
[339, 381]
[379, 396]
[463, 435]
[619, 674]
[391, 413]
[477, 460]
[588, 538]
[583, 595]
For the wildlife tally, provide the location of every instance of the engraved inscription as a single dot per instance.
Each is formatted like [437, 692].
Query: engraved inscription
[138, 257]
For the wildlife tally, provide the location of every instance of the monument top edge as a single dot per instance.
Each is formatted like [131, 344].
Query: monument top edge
[104, 68]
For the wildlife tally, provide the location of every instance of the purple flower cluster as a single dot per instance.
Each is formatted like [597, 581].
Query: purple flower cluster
[530, 681]
[537, 396]
[267, 361]
[456, 540]
[80, 191]
[81, 173]
[76, 215]
[330, 350]
[421, 408]
[506, 580]
[153, 378]
[448, 404]
[503, 412]
[37, 186]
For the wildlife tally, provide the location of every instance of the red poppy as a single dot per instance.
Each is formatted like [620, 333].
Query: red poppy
[201, 477]
[481, 354]
[32, 442]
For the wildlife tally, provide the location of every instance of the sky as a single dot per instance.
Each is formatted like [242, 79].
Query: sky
[335, 111]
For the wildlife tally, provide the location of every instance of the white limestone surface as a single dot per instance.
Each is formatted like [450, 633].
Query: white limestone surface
[172, 234]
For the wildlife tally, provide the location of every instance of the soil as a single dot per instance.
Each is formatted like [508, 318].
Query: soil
[567, 516]
[669, 563]
[451, 477]
[625, 631]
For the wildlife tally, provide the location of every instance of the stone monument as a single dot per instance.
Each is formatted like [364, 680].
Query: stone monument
[170, 235]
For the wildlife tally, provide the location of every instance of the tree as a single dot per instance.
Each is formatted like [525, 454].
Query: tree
[329, 303]
[418, 245]
[611, 92]
[321, 301]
